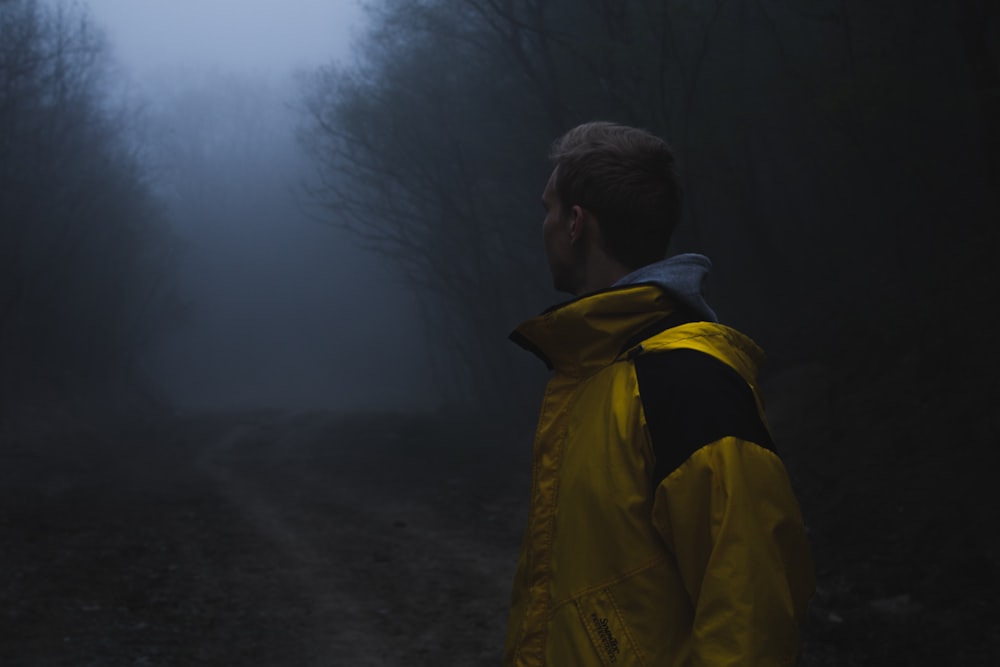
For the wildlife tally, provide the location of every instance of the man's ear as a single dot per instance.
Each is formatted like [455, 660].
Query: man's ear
[576, 223]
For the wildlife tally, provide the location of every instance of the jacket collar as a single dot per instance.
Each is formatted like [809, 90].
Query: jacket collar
[584, 335]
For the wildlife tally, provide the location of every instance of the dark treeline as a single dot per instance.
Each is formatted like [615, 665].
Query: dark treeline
[840, 160]
[85, 253]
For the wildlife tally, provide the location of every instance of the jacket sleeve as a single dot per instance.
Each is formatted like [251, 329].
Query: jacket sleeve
[724, 507]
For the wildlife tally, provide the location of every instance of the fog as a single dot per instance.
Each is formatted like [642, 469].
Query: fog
[260, 37]
[280, 309]
[259, 262]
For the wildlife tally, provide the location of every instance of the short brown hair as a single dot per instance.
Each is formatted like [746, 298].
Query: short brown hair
[627, 178]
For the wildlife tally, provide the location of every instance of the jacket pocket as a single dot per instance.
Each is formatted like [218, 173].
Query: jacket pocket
[609, 635]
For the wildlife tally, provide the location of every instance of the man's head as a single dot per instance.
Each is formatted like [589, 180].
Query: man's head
[612, 203]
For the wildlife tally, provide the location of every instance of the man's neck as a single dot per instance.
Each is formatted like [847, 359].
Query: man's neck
[602, 272]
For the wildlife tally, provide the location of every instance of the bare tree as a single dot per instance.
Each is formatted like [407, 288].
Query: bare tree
[83, 248]
[798, 129]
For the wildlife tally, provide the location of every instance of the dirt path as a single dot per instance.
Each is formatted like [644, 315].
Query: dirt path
[257, 540]
[386, 579]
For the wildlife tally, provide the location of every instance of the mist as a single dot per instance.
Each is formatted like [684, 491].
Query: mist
[280, 310]
[259, 263]
[247, 38]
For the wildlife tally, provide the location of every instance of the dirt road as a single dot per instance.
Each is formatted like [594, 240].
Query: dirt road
[257, 540]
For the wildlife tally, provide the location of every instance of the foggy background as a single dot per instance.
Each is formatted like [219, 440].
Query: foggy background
[258, 263]
[341, 202]
[278, 310]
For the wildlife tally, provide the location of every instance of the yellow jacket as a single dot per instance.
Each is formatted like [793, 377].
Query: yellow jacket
[646, 545]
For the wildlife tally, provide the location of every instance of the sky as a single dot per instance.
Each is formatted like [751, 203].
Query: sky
[232, 35]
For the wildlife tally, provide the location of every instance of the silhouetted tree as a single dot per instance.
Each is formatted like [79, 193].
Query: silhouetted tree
[84, 252]
[819, 154]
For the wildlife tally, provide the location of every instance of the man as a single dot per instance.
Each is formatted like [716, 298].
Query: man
[662, 529]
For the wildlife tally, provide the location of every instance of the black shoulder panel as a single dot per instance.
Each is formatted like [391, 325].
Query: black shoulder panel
[692, 399]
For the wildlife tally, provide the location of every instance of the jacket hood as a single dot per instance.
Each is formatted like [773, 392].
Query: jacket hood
[591, 331]
[683, 276]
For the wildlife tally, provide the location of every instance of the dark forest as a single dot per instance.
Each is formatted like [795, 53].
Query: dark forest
[841, 168]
